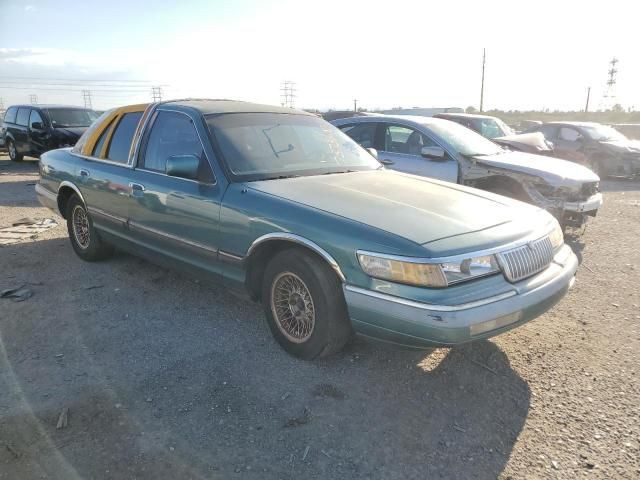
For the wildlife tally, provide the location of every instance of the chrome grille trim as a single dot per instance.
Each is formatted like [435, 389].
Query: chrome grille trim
[522, 262]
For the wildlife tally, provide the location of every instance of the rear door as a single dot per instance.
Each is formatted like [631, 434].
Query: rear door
[176, 216]
[104, 175]
[20, 130]
[402, 151]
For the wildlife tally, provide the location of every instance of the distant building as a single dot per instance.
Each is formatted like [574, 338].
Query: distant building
[423, 112]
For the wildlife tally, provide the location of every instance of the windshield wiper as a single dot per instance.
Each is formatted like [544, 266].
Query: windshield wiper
[278, 177]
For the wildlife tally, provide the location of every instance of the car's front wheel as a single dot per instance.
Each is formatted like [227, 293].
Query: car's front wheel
[85, 240]
[304, 305]
[13, 152]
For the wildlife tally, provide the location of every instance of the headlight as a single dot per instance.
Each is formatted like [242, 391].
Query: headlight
[427, 274]
[557, 237]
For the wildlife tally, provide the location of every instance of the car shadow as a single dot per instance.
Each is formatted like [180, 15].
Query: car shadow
[164, 376]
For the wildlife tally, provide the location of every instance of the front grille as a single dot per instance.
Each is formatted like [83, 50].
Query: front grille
[522, 262]
[589, 189]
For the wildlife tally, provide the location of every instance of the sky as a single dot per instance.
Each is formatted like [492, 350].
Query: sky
[542, 54]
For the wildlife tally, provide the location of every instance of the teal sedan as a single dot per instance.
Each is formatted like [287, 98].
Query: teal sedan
[284, 207]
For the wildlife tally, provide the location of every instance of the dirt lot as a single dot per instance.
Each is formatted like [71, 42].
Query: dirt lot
[164, 377]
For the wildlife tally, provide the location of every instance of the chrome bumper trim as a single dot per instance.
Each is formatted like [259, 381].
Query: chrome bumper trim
[593, 203]
[429, 306]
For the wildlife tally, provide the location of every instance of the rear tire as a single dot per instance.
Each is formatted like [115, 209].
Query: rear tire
[304, 305]
[85, 240]
[13, 152]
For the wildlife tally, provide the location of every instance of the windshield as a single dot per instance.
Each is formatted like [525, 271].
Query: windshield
[604, 133]
[492, 127]
[462, 139]
[259, 146]
[71, 117]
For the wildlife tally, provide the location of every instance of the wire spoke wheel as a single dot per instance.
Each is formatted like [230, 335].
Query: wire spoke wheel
[81, 226]
[292, 307]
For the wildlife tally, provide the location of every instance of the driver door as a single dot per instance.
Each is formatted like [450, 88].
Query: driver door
[402, 151]
[37, 133]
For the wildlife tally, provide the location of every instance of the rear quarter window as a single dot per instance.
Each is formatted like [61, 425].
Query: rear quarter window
[98, 124]
[10, 116]
[122, 137]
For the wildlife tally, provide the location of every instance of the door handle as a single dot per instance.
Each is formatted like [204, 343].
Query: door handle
[385, 161]
[136, 189]
[84, 173]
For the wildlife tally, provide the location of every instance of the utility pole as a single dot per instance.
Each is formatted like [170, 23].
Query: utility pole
[288, 89]
[355, 105]
[33, 99]
[484, 58]
[1, 104]
[156, 94]
[586, 107]
[86, 97]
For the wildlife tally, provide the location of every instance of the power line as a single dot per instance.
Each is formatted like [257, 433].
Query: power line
[67, 84]
[141, 90]
[76, 79]
[86, 97]
[288, 89]
[156, 94]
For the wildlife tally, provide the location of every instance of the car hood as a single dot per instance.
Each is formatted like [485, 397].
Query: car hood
[535, 140]
[416, 208]
[555, 171]
[624, 145]
[72, 133]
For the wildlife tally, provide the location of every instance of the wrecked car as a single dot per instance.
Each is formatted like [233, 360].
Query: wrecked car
[602, 148]
[496, 130]
[281, 206]
[442, 149]
[31, 130]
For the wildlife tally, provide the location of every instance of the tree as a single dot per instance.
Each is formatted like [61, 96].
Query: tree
[471, 109]
[617, 108]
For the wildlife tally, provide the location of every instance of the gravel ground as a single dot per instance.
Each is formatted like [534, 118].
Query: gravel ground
[164, 377]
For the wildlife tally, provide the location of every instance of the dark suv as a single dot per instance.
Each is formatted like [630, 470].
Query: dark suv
[34, 129]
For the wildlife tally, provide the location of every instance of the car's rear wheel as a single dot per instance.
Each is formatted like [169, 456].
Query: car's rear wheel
[13, 152]
[85, 240]
[304, 305]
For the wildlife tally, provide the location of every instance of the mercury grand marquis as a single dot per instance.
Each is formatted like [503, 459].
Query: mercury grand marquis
[283, 206]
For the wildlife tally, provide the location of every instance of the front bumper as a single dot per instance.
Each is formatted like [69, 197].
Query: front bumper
[417, 324]
[592, 203]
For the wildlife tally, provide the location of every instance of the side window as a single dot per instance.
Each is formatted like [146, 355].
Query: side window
[569, 134]
[97, 148]
[549, 131]
[10, 116]
[122, 137]
[35, 119]
[362, 133]
[400, 139]
[23, 116]
[174, 134]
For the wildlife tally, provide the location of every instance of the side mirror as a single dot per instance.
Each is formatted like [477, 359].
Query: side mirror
[37, 126]
[373, 152]
[183, 166]
[435, 153]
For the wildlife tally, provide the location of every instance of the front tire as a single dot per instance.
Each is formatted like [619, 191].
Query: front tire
[304, 305]
[85, 240]
[13, 152]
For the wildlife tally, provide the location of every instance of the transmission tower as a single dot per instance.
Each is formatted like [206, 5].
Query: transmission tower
[288, 96]
[86, 96]
[609, 95]
[33, 99]
[156, 94]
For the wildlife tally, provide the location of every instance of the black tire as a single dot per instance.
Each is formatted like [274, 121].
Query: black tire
[85, 240]
[13, 152]
[330, 328]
